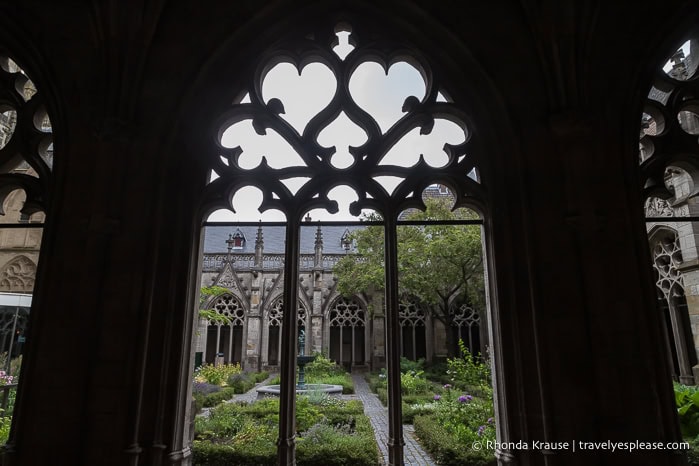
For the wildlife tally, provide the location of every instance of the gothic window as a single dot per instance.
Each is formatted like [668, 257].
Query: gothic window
[26, 176]
[274, 325]
[412, 322]
[18, 275]
[667, 261]
[353, 129]
[466, 327]
[226, 340]
[669, 164]
[347, 332]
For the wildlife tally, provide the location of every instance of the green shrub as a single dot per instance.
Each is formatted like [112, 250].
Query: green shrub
[323, 367]
[244, 434]
[240, 383]
[223, 421]
[328, 444]
[213, 399]
[422, 408]
[307, 414]
[343, 379]
[5, 423]
[414, 383]
[216, 375]
[693, 452]
[254, 445]
[445, 449]
[259, 376]
[687, 401]
[407, 365]
[468, 372]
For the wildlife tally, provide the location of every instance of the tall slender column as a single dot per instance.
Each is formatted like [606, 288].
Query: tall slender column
[286, 446]
[218, 341]
[686, 376]
[393, 335]
[230, 343]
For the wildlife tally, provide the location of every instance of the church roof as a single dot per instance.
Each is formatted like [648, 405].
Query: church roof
[273, 237]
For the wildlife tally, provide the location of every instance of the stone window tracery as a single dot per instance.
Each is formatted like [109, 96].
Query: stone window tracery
[26, 140]
[18, 275]
[413, 337]
[225, 341]
[295, 148]
[276, 312]
[466, 321]
[667, 257]
[346, 322]
[274, 324]
[229, 306]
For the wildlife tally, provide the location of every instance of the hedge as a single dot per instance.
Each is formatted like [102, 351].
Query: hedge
[359, 449]
[444, 449]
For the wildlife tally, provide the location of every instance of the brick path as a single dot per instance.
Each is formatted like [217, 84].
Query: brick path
[414, 455]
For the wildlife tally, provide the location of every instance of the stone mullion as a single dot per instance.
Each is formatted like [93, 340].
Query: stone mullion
[286, 445]
[393, 335]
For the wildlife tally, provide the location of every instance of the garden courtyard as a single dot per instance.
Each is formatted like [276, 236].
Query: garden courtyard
[446, 408]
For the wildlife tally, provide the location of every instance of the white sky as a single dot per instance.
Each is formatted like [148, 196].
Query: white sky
[685, 49]
[379, 94]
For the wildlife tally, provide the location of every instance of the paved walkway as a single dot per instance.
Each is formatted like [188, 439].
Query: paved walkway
[414, 455]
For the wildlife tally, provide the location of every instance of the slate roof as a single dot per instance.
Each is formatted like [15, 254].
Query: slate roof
[273, 237]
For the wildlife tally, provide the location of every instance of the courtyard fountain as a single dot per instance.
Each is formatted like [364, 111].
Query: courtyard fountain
[301, 387]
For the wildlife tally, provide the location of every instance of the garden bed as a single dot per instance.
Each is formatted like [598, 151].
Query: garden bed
[329, 432]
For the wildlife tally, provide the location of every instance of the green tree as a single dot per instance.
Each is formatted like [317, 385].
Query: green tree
[441, 265]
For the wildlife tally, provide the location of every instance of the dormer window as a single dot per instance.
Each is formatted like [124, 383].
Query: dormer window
[346, 240]
[236, 240]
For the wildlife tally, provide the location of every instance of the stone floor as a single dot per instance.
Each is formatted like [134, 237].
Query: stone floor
[414, 455]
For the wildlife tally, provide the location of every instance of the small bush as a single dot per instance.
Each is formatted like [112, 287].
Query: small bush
[693, 452]
[327, 444]
[259, 376]
[203, 388]
[240, 383]
[687, 402]
[323, 367]
[216, 398]
[343, 379]
[216, 375]
[417, 409]
[445, 449]
[407, 365]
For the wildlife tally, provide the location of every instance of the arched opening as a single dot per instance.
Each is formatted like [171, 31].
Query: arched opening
[329, 138]
[413, 334]
[274, 325]
[26, 173]
[225, 340]
[347, 333]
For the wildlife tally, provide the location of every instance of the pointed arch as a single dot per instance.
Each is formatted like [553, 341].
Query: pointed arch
[18, 274]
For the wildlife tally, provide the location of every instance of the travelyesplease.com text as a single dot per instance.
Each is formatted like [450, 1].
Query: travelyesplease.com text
[580, 445]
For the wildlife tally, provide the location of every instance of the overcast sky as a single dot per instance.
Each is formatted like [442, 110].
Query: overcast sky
[380, 95]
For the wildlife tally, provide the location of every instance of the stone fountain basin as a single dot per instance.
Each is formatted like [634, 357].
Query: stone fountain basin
[273, 390]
